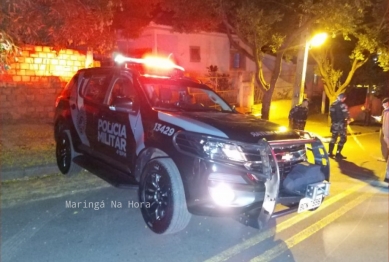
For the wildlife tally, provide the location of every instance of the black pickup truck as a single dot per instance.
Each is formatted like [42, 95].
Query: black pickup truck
[185, 148]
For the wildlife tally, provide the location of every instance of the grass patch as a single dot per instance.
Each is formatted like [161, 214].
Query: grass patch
[25, 145]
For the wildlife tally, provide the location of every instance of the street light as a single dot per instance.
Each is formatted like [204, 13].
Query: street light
[318, 39]
[298, 91]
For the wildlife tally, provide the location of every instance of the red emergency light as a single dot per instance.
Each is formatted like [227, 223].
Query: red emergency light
[151, 65]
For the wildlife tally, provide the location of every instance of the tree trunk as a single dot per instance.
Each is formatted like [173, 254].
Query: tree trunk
[332, 100]
[266, 101]
[267, 95]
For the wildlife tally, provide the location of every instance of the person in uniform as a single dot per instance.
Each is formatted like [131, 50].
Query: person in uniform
[340, 118]
[385, 135]
[298, 116]
[384, 145]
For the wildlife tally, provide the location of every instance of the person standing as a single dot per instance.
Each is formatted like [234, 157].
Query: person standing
[385, 134]
[384, 145]
[340, 118]
[298, 116]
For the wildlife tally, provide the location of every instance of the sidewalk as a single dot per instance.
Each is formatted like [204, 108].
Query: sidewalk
[28, 150]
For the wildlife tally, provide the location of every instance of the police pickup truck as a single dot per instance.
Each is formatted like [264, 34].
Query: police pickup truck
[184, 147]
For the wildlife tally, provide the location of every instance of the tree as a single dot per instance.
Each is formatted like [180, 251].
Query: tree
[370, 74]
[58, 23]
[261, 27]
[72, 23]
[131, 16]
[8, 50]
[367, 41]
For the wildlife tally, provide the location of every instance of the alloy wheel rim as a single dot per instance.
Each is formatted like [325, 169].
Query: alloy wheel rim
[157, 193]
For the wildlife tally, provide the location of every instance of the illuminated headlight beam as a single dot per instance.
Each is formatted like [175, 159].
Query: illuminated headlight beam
[222, 194]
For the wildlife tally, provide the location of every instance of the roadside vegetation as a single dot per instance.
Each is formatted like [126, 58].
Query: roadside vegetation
[26, 145]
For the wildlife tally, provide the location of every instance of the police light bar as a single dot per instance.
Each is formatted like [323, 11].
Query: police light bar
[150, 62]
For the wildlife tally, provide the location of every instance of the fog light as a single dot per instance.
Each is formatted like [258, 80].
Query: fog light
[222, 194]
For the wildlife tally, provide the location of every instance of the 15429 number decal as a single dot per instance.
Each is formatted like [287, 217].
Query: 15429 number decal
[164, 129]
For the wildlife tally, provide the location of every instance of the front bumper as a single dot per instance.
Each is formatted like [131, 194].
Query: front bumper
[227, 187]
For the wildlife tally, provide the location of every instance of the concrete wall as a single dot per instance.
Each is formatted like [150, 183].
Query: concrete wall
[214, 47]
[29, 101]
[278, 109]
[214, 50]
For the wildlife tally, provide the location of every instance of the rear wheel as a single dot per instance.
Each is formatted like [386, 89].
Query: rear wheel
[65, 153]
[162, 197]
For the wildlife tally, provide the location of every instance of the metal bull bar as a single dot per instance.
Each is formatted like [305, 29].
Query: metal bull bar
[272, 197]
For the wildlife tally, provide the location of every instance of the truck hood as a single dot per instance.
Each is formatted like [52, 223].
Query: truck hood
[240, 127]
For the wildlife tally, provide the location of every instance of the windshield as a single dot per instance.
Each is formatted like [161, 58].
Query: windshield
[167, 94]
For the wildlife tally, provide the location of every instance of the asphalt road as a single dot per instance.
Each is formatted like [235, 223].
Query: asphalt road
[351, 225]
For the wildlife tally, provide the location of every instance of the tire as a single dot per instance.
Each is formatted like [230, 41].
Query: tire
[65, 154]
[59, 127]
[162, 197]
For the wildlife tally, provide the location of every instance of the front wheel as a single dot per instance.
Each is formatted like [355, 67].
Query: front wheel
[65, 153]
[162, 197]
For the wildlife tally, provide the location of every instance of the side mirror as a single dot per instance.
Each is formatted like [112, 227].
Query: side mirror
[122, 104]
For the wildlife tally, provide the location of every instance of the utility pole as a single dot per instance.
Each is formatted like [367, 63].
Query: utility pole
[302, 61]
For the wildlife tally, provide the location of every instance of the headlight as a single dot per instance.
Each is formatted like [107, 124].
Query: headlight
[235, 154]
[220, 150]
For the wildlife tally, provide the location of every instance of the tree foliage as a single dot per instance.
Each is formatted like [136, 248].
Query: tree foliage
[366, 40]
[260, 27]
[8, 50]
[58, 23]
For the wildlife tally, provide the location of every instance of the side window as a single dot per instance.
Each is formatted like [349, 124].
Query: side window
[97, 87]
[123, 88]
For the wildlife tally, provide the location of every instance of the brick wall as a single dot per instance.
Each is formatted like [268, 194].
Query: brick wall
[29, 88]
[29, 101]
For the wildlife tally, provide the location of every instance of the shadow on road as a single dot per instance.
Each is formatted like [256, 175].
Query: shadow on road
[268, 248]
[354, 171]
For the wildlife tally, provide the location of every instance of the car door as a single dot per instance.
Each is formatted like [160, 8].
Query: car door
[118, 130]
[77, 109]
[94, 92]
